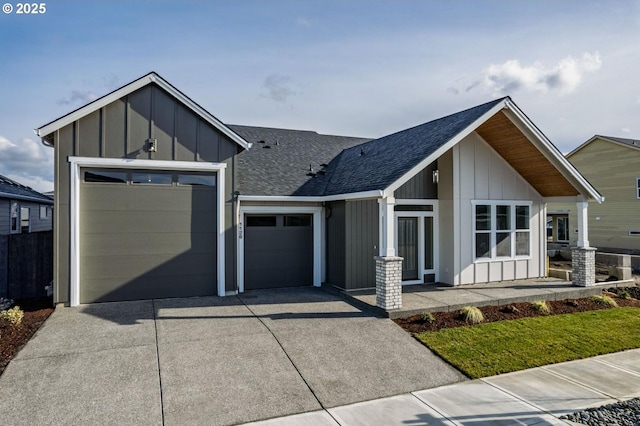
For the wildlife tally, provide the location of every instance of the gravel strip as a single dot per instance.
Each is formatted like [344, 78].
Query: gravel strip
[624, 413]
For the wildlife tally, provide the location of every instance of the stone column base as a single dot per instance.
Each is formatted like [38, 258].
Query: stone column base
[583, 262]
[389, 282]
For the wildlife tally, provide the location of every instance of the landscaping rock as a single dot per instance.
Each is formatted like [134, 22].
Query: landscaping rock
[624, 413]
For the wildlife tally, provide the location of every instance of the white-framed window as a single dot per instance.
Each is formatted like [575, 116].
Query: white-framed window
[638, 188]
[15, 217]
[501, 229]
[25, 220]
[44, 212]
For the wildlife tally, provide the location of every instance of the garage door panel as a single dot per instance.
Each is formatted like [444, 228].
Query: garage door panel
[152, 265]
[107, 222]
[161, 243]
[148, 287]
[158, 198]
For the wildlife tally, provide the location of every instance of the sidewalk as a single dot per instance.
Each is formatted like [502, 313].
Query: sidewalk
[538, 396]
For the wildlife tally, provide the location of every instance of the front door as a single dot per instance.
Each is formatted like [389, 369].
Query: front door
[408, 247]
[417, 242]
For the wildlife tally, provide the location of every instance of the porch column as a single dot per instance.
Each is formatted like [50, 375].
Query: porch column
[583, 257]
[387, 227]
[583, 223]
[388, 265]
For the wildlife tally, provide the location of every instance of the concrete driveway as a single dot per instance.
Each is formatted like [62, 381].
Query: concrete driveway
[211, 361]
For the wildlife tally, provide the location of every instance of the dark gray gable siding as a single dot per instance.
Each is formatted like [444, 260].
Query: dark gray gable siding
[420, 186]
[121, 130]
[377, 164]
[282, 168]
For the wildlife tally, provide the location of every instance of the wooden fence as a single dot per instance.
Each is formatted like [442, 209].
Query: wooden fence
[26, 264]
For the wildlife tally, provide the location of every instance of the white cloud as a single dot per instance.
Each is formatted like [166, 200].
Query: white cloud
[278, 87]
[78, 97]
[564, 77]
[28, 162]
[626, 130]
[303, 22]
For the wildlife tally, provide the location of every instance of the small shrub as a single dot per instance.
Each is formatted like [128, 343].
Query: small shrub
[472, 315]
[12, 316]
[428, 317]
[604, 300]
[541, 306]
[624, 295]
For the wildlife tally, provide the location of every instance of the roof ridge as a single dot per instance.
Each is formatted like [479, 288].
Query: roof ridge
[297, 131]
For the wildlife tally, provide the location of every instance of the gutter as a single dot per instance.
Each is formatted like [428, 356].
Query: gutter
[25, 198]
[313, 199]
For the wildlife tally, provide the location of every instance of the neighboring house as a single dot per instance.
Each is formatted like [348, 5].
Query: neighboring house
[23, 210]
[612, 165]
[155, 197]
[25, 247]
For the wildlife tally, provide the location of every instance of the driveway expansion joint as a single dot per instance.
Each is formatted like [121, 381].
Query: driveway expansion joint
[155, 327]
[286, 354]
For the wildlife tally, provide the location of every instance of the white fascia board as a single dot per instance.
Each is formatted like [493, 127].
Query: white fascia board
[568, 199]
[444, 148]
[320, 199]
[130, 163]
[132, 87]
[24, 198]
[552, 153]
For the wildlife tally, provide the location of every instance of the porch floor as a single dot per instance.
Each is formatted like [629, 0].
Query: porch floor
[442, 298]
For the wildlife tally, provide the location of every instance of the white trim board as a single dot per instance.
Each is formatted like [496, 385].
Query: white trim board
[318, 237]
[421, 215]
[150, 78]
[77, 163]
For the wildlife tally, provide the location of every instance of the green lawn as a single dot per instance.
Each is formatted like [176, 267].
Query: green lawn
[501, 347]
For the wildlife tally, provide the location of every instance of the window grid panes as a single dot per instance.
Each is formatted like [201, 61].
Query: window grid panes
[151, 178]
[502, 230]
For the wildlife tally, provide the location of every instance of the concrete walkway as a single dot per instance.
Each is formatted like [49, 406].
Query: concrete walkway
[439, 298]
[213, 361]
[538, 396]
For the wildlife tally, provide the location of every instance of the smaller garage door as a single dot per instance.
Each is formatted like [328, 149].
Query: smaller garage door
[278, 251]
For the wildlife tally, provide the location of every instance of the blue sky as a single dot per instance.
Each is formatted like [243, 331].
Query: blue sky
[357, 68]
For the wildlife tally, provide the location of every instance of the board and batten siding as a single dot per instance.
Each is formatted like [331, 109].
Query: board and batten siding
[362, 235]
[352, 244]
[336, 244]
[472, 170]
[122, 130]
[612, 169]
[421, 186]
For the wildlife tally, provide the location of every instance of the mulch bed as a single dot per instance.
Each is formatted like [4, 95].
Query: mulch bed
[415, 323]
[14, 337]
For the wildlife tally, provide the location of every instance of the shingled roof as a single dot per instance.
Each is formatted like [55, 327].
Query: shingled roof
[377, 164]
[279, 161]
[351, 164]
[11, 189]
